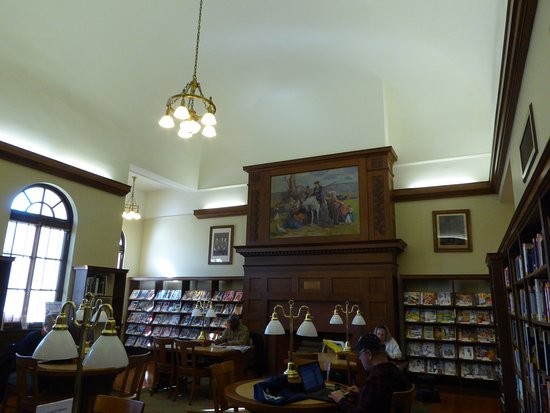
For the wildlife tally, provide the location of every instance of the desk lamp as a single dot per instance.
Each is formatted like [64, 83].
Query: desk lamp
[358, 320]
[306, 329]
[106, 352]
[199, 311]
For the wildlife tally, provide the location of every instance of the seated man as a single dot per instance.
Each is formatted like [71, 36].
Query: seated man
[384, 378]
[235, 334]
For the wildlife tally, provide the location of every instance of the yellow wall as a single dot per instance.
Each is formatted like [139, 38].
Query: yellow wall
[98, 218]
[489, 220]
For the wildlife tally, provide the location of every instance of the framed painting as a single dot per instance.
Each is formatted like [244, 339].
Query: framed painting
[315, 203]
[221, 245]
[528, 147]
[451, 231]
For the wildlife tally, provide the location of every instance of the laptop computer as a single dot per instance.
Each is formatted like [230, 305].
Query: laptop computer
[313, 382]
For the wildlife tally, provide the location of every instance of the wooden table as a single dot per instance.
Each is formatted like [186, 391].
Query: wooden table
[221, 353]
[60, 379]
[241, 394]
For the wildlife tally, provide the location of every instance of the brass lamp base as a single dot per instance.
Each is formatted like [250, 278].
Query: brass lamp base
[201, 337]
[347, 346]
[291, 374]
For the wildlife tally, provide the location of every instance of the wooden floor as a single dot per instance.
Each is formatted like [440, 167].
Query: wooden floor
[461, 403]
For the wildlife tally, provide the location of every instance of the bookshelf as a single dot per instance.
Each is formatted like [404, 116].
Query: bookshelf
[449, 329]
[521, 281]
[105, 283]
[162, 307]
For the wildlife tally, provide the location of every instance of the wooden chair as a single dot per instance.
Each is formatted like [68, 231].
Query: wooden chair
[187, 367]
[402, 401]
[28, 386]
[109, 404]
[128, 384]
[163, 363]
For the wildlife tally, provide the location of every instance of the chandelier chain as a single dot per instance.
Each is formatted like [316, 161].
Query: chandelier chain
[198, 41]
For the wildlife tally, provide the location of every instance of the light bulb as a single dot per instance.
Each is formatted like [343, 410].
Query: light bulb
[166, 122]
[181, 113]
[182, 133]
[209, 131]
[208, 119]
[194, 126]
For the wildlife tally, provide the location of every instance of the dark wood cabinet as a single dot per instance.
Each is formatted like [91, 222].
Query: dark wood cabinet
[107, 284]
[521, 281]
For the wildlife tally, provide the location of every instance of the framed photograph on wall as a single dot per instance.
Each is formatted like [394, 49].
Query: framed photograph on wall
[528, 147]
[220, 249]
[451, 231]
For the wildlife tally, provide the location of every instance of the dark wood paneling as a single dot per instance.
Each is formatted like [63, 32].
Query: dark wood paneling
[232, 211]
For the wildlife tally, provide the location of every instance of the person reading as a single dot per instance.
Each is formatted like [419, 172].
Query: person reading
[235, 334]
[392, 348]
[384, 378]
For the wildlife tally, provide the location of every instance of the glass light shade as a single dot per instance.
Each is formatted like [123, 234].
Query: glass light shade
[186, 127]
[194, 126]
[211, 313]
[102, 317]
[107, 351]
[358, 320]
[274, 328]
[336, 319]
[307, 328]
[184, 134]
[79, 315]
[208, 119]
[58, 344]
[181, 112]
[196, 312]
[209, 131]
[166, 122]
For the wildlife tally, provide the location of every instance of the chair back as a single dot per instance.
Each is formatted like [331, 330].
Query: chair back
[401, 401]
[128, 384]
[109, 404]
[221, 375]
[186, 360]
[356, 372]
[27, 378]
[163, 348]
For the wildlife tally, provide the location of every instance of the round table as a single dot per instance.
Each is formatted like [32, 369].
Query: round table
[241, 394]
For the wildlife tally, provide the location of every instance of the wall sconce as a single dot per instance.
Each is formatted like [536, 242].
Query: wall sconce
[358, 320]
[106, 352]
[306, 329]
[201, 310]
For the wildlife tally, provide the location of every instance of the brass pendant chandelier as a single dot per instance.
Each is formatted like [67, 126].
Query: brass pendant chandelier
[182, 105]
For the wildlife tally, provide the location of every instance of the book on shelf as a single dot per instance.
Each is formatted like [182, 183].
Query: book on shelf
[466, 334]
[238, 310]
[412, 314]
[484, 317]
[229, 295]
[466, 352]
[148, 330]
[188, 295]
[428, 350]
[134, 294]
[444, 298]
[428, 332]
[131, 341]
[429, 297]
[485, 335]
[464, 300]
[485, 353]
[506, 272]
[238, 295]
[449, 368]
[413, 331]
[417, 365]
[466, 316]
[175, 307]
[448, 351]
[446, 315]
[157, 331]
[448, 333]
[165, 306]
[484, 299]
[133, 305]
[411, 297]
[468, 370]
[176, 295]
[434, 366]
[175, 332]
[429, 315]
[484, 371]
[438, 332]
[141, 328]
[414, 348]
[157, 307]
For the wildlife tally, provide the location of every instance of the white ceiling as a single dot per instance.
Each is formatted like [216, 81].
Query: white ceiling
[290, 79]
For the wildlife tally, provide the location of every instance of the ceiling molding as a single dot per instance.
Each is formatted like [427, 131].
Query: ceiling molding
[232, 211]
[42, 163]
[444, 191]
[519, 24]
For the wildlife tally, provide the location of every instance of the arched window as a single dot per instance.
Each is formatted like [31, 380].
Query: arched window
[38, 236]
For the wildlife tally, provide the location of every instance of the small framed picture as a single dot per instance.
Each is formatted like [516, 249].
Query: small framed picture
[528, 147]
[451, 231]
[220, 250]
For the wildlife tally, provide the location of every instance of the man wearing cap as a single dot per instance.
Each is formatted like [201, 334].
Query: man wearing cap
[384, 378]
[236, 333]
